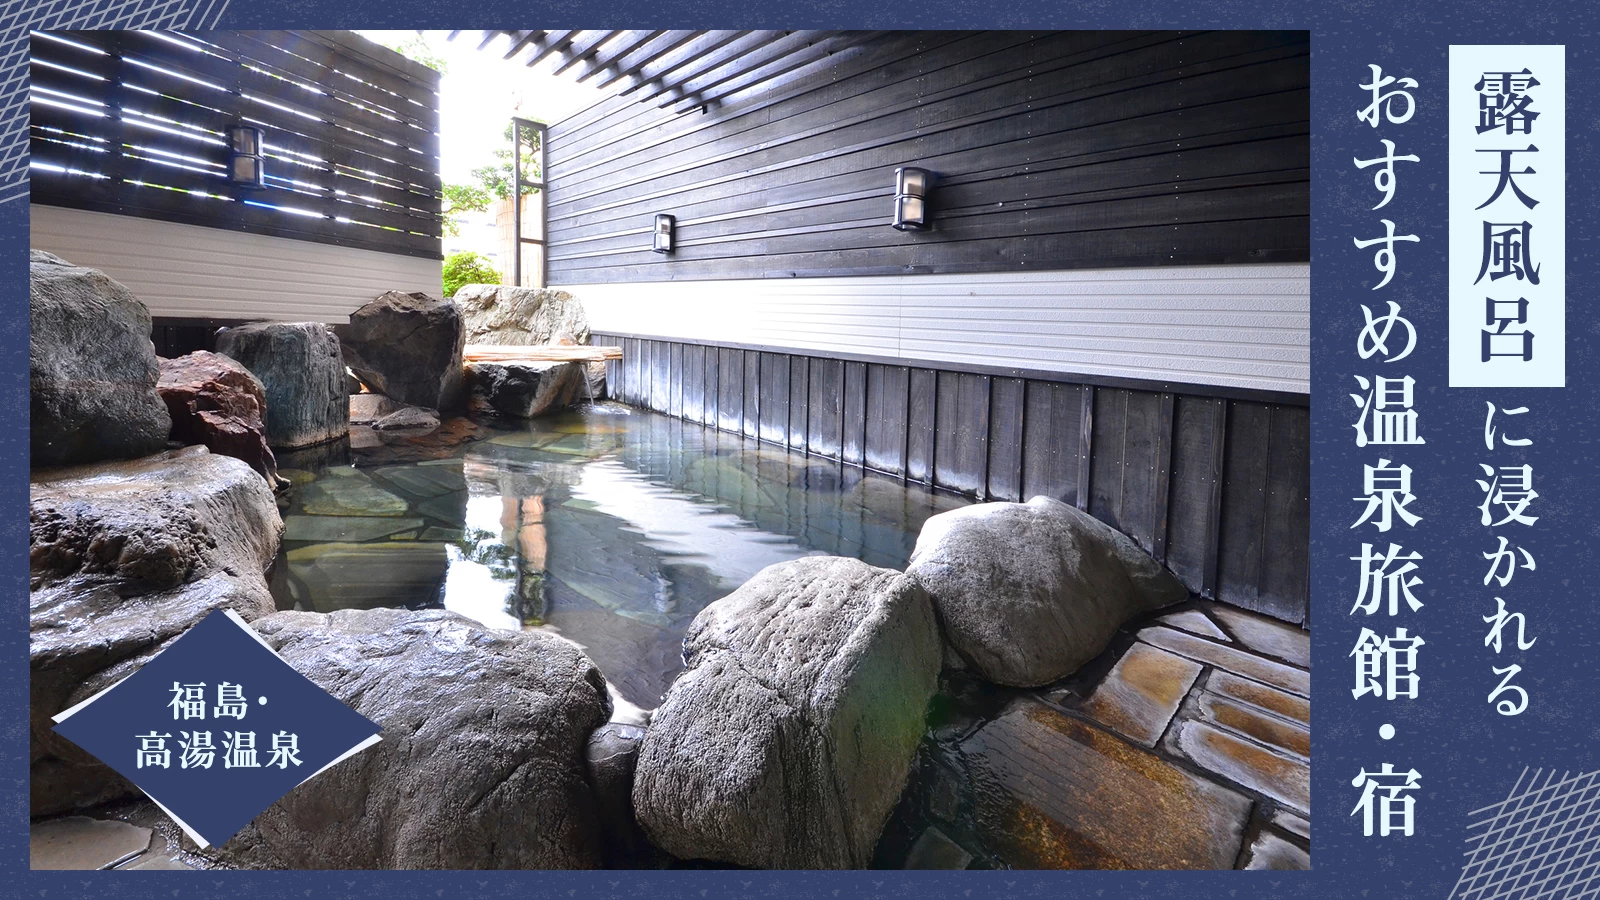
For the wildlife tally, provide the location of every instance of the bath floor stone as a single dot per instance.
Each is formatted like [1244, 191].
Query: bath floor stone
[1156, 754]
[79, 842]
[1056, 792]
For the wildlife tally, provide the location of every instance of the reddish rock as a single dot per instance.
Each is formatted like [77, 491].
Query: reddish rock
[217, 402]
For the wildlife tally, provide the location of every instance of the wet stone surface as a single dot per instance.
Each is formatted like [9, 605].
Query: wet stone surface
[1147, 757]
[79, 842]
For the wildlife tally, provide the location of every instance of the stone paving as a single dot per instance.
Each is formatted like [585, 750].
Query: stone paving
[131, 835]
[1185, 745]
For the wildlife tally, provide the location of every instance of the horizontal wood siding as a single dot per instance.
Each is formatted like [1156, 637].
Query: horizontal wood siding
[1050, 150]
[1242, 326]
[191, 272]
[1216, 487]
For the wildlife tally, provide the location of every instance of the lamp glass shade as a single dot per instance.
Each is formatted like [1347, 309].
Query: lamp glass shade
[665, 227]
[910, 213]
[909, 180]
[244, 139]
[245, 170]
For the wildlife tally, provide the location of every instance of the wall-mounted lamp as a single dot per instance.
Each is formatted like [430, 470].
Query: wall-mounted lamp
[665, 227]
[911, 198]
[244, 156]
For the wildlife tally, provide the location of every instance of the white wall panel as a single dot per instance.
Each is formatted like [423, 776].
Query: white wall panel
[1237, 326]
[188, 271]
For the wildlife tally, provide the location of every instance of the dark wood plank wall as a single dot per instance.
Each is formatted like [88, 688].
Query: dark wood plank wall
[1216, 487]
[1052, 150]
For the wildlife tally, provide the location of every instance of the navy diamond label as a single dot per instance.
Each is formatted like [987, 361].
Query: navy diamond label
[216, 728]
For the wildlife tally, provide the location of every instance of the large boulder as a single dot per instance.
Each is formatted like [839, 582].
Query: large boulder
[1028, 592]
[302, 371]
[523, 390]
[788, 740]
[91, 368]
[123, 557]
[498, 314]
[407, 347]
[481, 765]
[215, 401]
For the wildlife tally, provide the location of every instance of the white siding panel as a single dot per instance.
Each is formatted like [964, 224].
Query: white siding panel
[188, 271]
[1235, 326]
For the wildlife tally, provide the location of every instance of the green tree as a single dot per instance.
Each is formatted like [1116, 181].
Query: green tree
[467, 267]
[492, 182]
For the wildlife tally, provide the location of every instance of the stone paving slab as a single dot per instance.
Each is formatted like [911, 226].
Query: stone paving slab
[1284, 778]
[1259, 695]
[1054, 792]
[1141, 693]
[357, 529]
[1195, 622]
[1269, 636]
[1270, 852]
[1267, 729]
[82, 843]
[1288, 678]
[1292, 823]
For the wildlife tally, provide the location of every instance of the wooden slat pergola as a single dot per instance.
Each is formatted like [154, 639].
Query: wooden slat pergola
[685, 70]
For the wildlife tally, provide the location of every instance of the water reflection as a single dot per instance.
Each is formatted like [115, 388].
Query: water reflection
[610, 526]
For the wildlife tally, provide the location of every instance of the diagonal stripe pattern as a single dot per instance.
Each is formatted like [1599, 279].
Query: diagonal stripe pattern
[1541, 841]
[19, 17]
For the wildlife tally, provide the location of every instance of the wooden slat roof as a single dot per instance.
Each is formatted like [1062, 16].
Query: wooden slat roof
[684, 70]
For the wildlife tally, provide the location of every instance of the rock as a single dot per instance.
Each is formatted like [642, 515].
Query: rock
[91, 368]
[482, 761]
[1142, 692]
[368, 408]
[215, 401]
[934, 850]
[407, 347]
[1056, 793]
[337, 575]
[354, 384]
[612, 755]
[410, 446]
[788, 740]
[82, 843]
[595, 372]
[523, 390]
[411, 418]
[1028, 592]
[302, 370]
[499, 314]
[122, 558]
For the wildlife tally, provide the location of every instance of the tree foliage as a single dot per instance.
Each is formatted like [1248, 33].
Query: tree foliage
[492, 182]
[467, 267]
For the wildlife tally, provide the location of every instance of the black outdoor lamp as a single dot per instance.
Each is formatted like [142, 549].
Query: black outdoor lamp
[665, 226]
[911, 198]
[244, 156]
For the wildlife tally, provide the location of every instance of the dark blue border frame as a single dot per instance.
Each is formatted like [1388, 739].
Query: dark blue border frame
[1468, 759]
